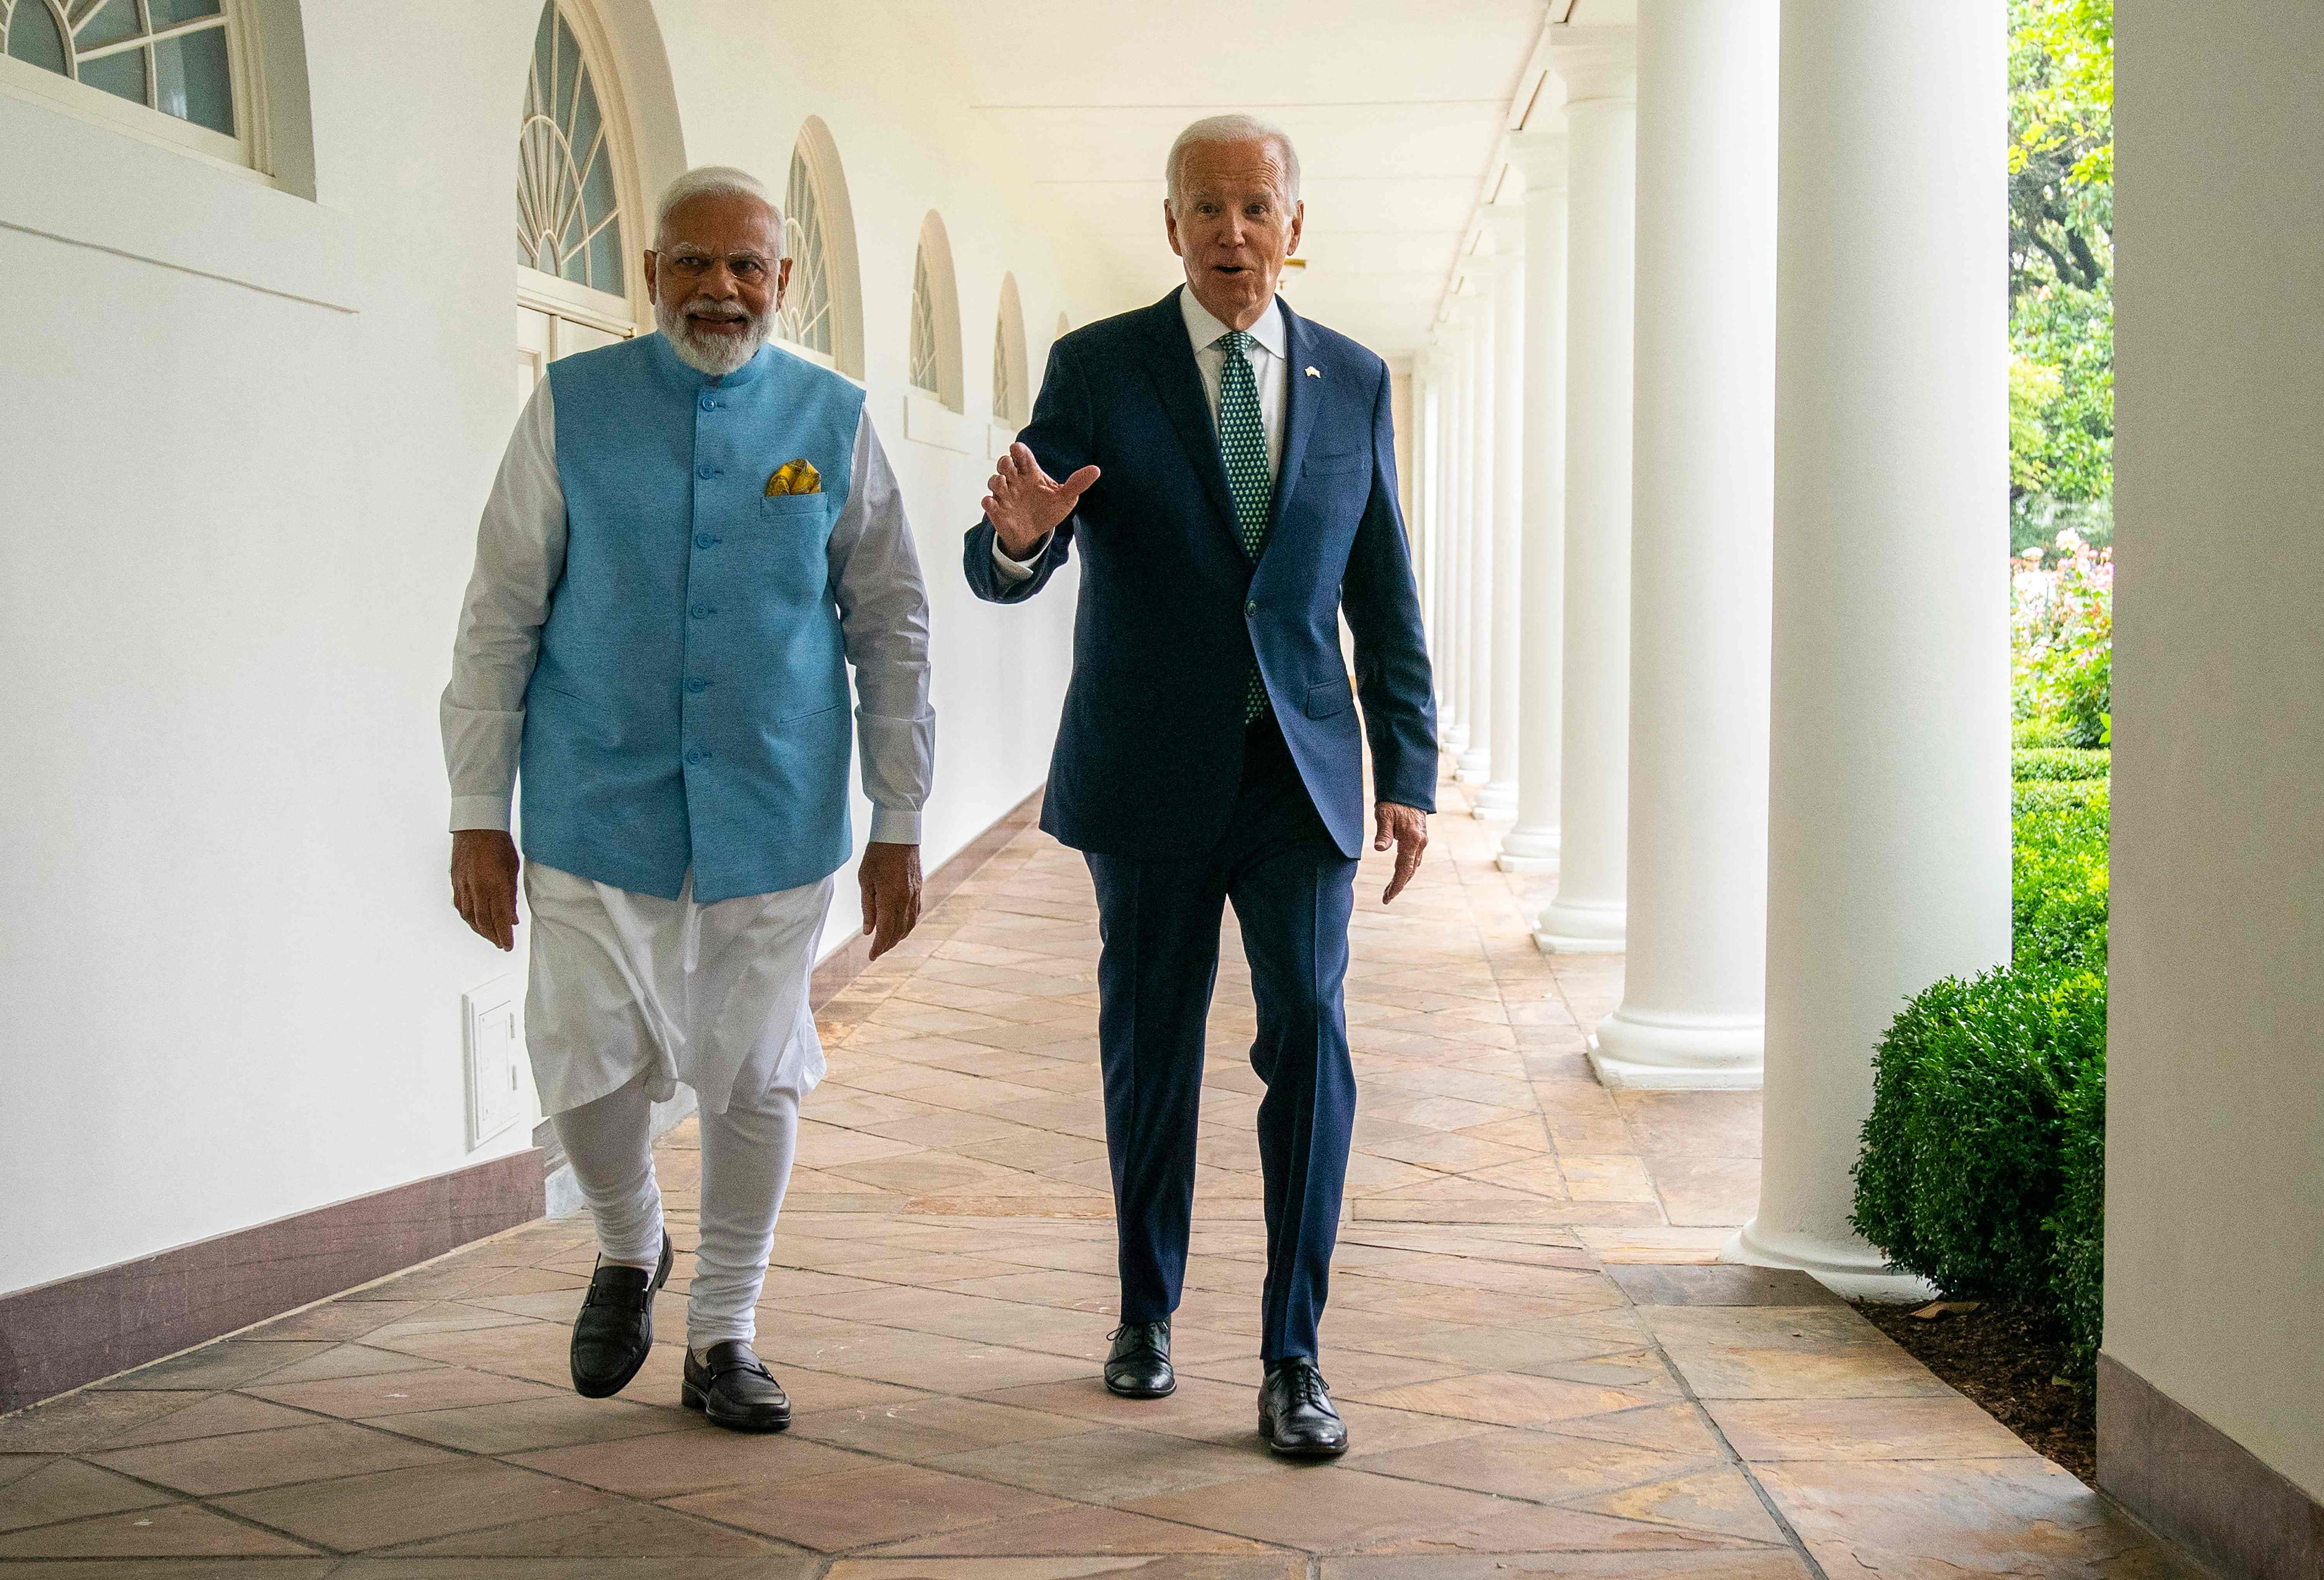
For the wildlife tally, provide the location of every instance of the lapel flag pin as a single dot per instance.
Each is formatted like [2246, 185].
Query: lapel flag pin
[1313, 374]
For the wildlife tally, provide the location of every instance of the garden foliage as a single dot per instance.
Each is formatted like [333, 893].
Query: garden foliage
[2062, 642]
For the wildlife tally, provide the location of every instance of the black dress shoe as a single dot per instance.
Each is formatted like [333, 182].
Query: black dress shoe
[1296, 1413]
[1137, 1366]
[614, 1334]
[733, 1387]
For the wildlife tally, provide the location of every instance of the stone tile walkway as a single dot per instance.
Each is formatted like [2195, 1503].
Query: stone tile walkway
[1539, 1374]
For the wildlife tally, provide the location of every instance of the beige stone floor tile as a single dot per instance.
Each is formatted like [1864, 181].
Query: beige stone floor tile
[1511, 1399]
[1325, 1509]
[1918, 1520]
[388, 1393]
[397, 1507]
[1214, 1411]
[514, 1425]
[1944, 1427]
[178, 1530]
[925, 1429]
[218, 1366]
[1145, 1565]
[1606, 1176]
[66, 1489]
[340, 1320]
[1720, 1499]
[860, 1508]
[1678, 1428]
[1538, 1466]
[246, 1461]
[613, 1531]
[676, 1464]
[1630, 1563]
[1112, 1466]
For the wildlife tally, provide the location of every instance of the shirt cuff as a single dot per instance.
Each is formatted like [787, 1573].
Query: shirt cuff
[895, 825]
[480, 812]
[1019, 570]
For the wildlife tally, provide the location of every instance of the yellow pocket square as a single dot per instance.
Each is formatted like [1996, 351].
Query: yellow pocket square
[795, 477]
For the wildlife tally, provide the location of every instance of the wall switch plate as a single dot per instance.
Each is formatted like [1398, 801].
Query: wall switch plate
[494, 1043]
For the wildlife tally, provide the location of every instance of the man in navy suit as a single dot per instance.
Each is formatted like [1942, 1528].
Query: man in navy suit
[1229, 474]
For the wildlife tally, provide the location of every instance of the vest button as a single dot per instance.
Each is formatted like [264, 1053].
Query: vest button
[701, 611]
[705, 470]
[697, 686]
[697, 755]
[708, 404]
[1251, 609]
[702, 540]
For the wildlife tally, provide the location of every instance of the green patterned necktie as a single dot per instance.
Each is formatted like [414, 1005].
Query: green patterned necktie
[1242, 445]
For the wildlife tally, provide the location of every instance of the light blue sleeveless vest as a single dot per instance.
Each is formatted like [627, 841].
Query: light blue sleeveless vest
[690, 705]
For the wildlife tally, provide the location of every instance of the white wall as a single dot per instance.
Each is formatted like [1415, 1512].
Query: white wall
[2215, 1141]
[243, 438]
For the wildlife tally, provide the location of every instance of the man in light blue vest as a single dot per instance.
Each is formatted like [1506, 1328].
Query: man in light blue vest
[693, 536]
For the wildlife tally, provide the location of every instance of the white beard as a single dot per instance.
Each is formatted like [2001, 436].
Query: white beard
[716, 355]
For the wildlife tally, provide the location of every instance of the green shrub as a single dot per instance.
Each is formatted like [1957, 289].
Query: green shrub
[2057, 762]
[2041, 730]
[2057, 882]
[1962, 1166]
[2078, 1228]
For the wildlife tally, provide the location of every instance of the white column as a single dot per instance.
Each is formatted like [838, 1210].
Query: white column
[1477, 757]
[1601, 122]
[1532, 845]
[1888, 793]
[1456, 523]
[1694, 986]
[1498, 797]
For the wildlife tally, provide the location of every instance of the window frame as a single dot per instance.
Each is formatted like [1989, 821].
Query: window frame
[629, 313]
[249, 154]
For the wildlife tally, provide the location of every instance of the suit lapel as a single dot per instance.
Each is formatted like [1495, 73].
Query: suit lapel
[1302, 399]
[1179, 383]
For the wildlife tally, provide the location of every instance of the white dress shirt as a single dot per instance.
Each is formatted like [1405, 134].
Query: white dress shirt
[883, 617]
[1270, 347]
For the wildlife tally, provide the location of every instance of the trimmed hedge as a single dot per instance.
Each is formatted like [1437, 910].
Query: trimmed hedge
[1962, 1164]
[2057, 762]
[2057, 882]
[1984, 1161]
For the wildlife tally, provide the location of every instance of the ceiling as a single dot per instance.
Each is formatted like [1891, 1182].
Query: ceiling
[1399, 111]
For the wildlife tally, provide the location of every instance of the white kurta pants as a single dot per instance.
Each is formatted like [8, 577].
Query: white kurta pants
[630, 995]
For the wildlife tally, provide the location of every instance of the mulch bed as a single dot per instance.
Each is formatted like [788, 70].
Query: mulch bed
[2004, 1357]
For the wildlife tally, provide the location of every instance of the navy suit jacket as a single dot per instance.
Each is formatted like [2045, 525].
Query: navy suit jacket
[1148, 759]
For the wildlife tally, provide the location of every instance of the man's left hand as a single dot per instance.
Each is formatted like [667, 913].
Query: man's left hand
[1407, 827]
[889, 879]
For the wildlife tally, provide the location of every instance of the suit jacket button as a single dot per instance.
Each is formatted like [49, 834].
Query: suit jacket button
[1251, 609]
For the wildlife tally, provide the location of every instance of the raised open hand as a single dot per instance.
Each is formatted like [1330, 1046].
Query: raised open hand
[1025, 503]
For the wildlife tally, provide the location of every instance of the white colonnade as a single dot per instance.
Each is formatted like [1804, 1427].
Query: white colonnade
[1598, 71]
[1497, 797]
[1695, 981]
[1458, 479]
[1477, 631]
[1888, 796]
[1531, 846]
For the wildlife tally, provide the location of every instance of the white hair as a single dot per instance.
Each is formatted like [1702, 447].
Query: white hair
[1233, 129]
[714, 180]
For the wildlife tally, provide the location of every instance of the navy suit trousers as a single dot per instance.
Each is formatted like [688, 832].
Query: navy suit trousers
[1293, 893]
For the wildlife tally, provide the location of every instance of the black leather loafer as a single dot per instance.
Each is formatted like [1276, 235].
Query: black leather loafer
[1297, 1415]
[1137, 1366]
[614, 1334]
[732, 1388]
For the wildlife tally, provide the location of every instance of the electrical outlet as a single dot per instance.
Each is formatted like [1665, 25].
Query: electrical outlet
[494, 1043]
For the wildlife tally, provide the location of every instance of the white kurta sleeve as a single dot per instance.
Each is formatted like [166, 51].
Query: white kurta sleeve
[883, 614]
[519, 557]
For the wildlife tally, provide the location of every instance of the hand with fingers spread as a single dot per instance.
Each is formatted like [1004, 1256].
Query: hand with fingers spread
[889, 879]
[484, 884]
[1025, 503]
[1407, 827]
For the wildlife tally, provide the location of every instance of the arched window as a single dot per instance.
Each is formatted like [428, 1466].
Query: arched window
[822, 312]
[923, 371]
[184, 60]
[568, 196]
[577, 204]
[1011, 395]
[934, 359]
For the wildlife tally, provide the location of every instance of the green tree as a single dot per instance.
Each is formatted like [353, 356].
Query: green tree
[2061, 267]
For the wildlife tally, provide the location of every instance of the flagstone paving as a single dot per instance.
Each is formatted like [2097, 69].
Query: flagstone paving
[1540, 1374]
